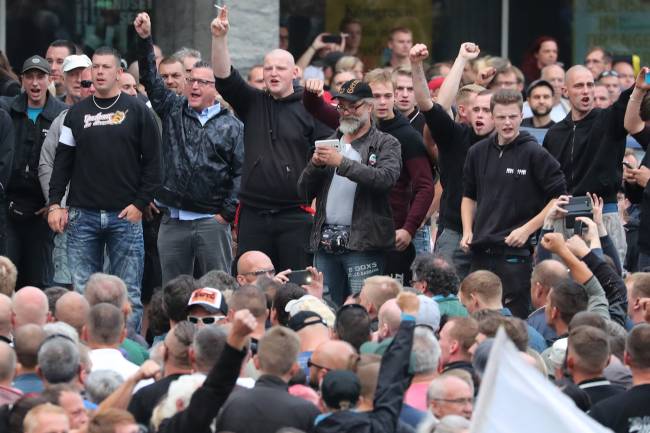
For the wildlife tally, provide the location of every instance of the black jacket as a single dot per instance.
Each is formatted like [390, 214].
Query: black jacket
[209, 397]
[612, 284]
[201, 164]
[265, 409]
[6, 151]
[372, 220]
[23, 186]
[510, 184]
[453, 140]
[279, 136]
[590, 151]
[641, 196]
[392, 382]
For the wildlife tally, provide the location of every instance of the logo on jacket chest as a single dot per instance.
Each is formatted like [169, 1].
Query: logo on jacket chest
[516, 171]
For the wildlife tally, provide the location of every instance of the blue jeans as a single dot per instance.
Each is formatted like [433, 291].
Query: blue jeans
[90, 232]
[422, 240]
[344, 273]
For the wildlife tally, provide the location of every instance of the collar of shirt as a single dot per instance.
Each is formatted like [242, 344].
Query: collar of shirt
[208, 113]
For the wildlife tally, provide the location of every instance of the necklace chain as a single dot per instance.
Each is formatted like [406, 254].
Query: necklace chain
[107, 108]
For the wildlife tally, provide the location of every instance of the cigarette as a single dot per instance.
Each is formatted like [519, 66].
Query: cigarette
[218, 7]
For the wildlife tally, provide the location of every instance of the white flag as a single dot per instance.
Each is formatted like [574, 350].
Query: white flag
[516, 398]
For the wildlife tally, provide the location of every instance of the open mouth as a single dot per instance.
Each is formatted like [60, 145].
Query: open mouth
[195, 95]
[479, 124]
[585, 100]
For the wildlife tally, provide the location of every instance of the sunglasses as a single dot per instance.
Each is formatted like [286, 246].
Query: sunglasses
[86, 84]
[206, 320]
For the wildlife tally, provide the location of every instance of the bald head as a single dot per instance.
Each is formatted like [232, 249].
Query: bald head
[251, 262]
[279, 71]
[5, 315]
[389, 319]
[576, 71]
[335, 355]
[27, 341]
[29, 305]
[7, 364]
[72, 308]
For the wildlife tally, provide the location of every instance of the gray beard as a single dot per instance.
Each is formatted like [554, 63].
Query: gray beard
[350, 126]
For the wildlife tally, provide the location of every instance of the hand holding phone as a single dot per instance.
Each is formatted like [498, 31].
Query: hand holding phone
[302, 277]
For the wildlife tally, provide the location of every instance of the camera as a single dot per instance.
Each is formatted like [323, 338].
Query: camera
[580, 228]
[577, 207]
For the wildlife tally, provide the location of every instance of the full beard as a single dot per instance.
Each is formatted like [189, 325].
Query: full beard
[350, 125]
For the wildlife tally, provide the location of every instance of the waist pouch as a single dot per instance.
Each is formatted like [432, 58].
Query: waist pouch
[334, 238]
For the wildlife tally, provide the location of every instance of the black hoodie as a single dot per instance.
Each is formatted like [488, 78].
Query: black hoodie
[510, 184]
[590, 150]
[279, 137]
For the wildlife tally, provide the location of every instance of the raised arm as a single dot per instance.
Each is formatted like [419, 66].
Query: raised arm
[447, 95]
[554, 242]
[417, 54]
[316, 45]
[633, 122]
[220, 55]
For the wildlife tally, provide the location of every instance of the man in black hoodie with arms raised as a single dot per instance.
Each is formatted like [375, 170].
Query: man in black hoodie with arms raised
[279, 138]
[509, 182]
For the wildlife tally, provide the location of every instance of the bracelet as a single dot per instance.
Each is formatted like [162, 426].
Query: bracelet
[52, 209]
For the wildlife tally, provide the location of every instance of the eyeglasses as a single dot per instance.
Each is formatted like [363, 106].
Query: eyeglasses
[200, 82]
[268, 272]
[86, 84]
[351, 109]
[610, 73]
[459, 401]
[206, 320]
[312, 364]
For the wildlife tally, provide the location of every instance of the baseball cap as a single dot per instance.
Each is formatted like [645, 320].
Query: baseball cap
[538, 83]
[210, 299]
[75, 61]
[428, 314]
[305, 318]
[353, 90]
[310, 303]
[435, 83]
[36, 62]
[340, 389]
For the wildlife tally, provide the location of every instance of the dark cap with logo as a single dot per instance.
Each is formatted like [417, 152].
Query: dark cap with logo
[36, 62]
[340, 389]
[353, 90]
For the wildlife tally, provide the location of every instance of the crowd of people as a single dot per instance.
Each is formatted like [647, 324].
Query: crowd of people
[320, 246]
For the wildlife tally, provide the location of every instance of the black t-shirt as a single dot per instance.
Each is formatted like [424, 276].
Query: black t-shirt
[625, 413]
[600, 389]
[110, 155]
[453, 140]
[528, 123]
[145, 400]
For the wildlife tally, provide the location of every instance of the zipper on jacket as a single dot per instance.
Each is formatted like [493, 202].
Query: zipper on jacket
[573, 140]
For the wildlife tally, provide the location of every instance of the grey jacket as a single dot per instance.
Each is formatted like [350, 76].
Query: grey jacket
[372, 220]
[48, 151]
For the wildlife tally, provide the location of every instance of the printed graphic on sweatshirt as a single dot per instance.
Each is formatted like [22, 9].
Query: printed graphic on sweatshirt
[102, 119]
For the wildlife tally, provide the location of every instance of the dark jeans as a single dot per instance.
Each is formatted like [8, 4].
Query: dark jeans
[29, 246]
[514, 271]
[344, 273]
[448, 247]
[183, 244]
[281, 235]
[152, 275]
[398, 264]
[90, 233]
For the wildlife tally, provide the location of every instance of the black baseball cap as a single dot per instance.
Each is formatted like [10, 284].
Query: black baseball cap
[353, 90]
[538, 83]
[36, 62]
[340, 386]
[303, 319]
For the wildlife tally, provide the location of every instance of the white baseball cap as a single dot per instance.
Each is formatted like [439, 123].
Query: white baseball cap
[75, 61]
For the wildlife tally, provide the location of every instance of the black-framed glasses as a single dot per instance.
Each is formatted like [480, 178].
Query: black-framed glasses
[351, 109]
[310, 364]
[206, 320]
[268, 272]
[199, 81]
[86, 84]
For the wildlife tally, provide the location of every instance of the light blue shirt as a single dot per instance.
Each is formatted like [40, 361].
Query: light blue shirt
[186, 215]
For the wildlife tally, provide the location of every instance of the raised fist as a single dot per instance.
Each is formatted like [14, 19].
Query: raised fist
[469, 51]
[418, 53]
[553, 242]
[142, 24]
[314, 85]
[220, 25]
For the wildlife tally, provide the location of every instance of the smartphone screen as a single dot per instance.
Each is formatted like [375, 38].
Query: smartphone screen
[300, 277]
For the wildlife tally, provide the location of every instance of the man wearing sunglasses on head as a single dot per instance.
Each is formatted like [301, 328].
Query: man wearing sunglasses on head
[207, 306]
[78, 85]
